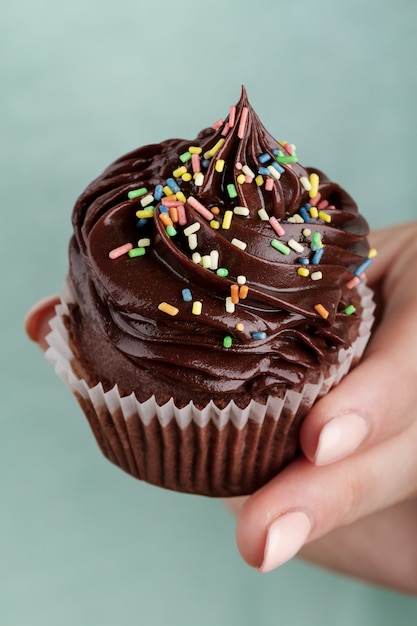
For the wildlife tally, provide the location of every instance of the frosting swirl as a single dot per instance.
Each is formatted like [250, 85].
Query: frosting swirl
[242, 278]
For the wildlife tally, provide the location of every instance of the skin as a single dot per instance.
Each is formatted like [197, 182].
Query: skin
[362, 505]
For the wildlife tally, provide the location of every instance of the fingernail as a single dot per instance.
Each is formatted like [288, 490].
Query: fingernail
[286, 535]
[341, 436]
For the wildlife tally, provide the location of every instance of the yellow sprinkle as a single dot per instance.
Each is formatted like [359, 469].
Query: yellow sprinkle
[306, 232]
[227, 220]
[314, 212]
[325, 216]
[180, 196]
[168, 308]
[219, 165]
[167, 190]
[303, 271]
[314, 182]
[186, 177]
[259, 180]
[179, 171]
[195, 150]
[197, 307]
[215, 224]
[372, 253]
[241, 179]
[240, 326]
[216, 147]
[322, 311]
[144, 213]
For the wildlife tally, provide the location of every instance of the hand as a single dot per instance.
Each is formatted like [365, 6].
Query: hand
[352, 499]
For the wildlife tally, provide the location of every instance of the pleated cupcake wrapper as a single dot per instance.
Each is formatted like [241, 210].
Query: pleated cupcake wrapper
[209, 451]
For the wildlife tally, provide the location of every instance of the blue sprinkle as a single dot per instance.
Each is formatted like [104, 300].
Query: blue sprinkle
[186, 295]
[278, 167]
[205, 163]
[142, 222]
[258, 335]
[317, 256]
[163, 209]
[264, 171]
[305, 214]
[264, 158]
[275, 151]
[304, 260]
[158, 193]
[307, 206]
[362, 267]
[172, 184]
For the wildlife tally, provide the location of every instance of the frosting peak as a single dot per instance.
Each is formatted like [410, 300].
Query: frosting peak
[223, 250]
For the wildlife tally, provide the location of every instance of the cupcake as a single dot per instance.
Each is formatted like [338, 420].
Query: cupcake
[216, 290]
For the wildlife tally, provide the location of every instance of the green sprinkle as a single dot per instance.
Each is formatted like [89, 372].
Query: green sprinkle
[286, 159]
[231, 190]
[281, 247]
[136, 252]
[170, 231]
[350, 309]
[316, 238]
[185, 156]
[222, 271]
[227, 341]
[135, 193]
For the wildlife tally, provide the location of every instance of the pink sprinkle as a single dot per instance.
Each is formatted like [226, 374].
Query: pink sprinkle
[323, 204]
[269, 184]
[116, 252]
[288, 148]
[331, 206]
[182, 218]
[200, 208]
[171, 203]
[353, 282]
[242, 123]
[195, 163]
[238, 165]
[314, 201]
[225, 129]
[232, 116]
[217, 124]
[276, 226]
[248, 179]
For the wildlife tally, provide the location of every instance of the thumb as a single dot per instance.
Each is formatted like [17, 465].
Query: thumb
[37, 320]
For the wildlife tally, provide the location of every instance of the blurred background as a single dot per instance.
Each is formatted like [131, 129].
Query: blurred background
[82, 83]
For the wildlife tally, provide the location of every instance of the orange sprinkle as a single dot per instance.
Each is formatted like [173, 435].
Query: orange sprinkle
[170, 198]
[215, 210]
[173, 211]
[321, 310]
[165, 219]
[240, 326]
[243, 292]
[234, 293]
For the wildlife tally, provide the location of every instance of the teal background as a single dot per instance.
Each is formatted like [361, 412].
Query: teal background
[82, 83]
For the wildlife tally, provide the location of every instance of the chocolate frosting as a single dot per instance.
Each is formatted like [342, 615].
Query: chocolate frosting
[278, 339]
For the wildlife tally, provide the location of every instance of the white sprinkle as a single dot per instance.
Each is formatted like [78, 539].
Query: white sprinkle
[241, 210]
[192, 228]
[305, 183]
[199, 179]
[263, 215]
[196, 257]
[316, 276]
[241, 280]
[143, 243]
[147, 200]
[206, 261]
[296, 219]
[296, 246]
[274, 172]
[192, 241]
[214, 259]
[230, 307]
[247, 170]
[239, 244]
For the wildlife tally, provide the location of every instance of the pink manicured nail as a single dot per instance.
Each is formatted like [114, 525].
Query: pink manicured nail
[286, 535]
[341, 436]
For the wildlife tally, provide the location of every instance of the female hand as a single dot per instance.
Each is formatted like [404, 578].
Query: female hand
[353, 498]
[351, 503]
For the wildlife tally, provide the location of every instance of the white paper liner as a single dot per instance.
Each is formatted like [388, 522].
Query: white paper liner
[125, 428]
